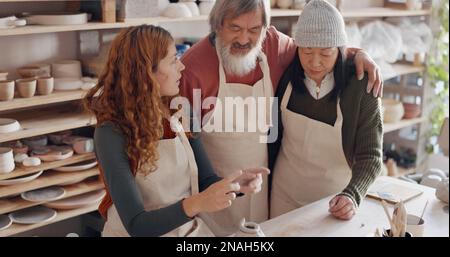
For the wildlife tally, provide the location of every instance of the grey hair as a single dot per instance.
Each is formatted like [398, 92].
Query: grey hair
[235, 8]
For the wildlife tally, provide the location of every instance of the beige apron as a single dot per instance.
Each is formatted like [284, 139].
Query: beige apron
[311, 164]
[231, 151]
[175, 178]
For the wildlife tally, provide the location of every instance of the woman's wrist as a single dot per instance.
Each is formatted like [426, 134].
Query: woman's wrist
[191, 206]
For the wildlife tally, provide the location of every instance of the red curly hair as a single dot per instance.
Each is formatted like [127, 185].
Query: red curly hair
[128, 95]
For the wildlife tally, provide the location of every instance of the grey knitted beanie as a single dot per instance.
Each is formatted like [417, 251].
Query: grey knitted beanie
[320, 25]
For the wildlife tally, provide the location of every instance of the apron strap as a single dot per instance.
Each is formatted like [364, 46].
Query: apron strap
[178, 127]
[286, 96]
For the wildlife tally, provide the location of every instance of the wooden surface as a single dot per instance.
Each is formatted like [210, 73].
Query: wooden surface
[404, 69]
[389, 127]
[40, 122]
[48, 178]
[55, 97]
[17, 203]
[62, 215]
[21, 170]
[314, 219]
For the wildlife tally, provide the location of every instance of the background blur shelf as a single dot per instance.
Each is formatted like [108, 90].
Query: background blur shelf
[62, 215]
[17, 203]
[21, 170]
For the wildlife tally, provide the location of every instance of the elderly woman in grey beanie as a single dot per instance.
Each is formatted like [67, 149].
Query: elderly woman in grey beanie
[330, 129]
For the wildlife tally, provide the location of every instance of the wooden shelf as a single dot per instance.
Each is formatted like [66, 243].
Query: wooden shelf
[49, 178]
[40, 122]
[379, 12]
[356, 13]
[55, 97]
[389, 127]
[404, 69]
[17, 203]
[370, 12]
[62, 215]
[22, 170]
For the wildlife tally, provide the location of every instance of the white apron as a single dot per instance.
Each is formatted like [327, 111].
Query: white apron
[175, 178]
[231, 151]
[311, 164]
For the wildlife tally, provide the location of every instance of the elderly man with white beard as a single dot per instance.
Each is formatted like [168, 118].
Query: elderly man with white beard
[243, 57]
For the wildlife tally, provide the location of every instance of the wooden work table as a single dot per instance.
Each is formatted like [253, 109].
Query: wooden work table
[314, 220]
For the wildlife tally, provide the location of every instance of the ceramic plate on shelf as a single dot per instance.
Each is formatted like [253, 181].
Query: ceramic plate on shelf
[71, 182]
[5, 222]
[78, 166]
[33, 215]
[21, 179]
[78, 201]
[44, 194]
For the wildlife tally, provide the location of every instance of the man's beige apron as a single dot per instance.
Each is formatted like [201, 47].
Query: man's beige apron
[311, 164]
[176, 178]
[231, 151]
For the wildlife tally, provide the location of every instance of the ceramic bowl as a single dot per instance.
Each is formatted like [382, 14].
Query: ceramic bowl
[31, 72]
[45, 85]
[9, 125]
[393, 110]
[26, 87]
[177, 10]
[7, 90]
[35, 142]
[67, 84]
[17, 146]
[415, 225]
[193, 7]
[31, 162]
[57, 138]
[206, 7]
[67, 69]
[411, 110]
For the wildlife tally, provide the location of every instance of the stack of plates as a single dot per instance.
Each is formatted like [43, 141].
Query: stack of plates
[78, 201]
[78, 166]
[44, 194]
[33, 215]
[21, 179]
[5, 222]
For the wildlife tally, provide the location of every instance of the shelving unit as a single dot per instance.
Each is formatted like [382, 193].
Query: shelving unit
[61, 215]
[48, 178]
[40, 121]
[21, 170]
[17, 203]
[47, 121]
[55, 97]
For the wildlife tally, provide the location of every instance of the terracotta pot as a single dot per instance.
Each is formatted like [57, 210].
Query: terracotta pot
[6, 90]
[26, 87]
[411, 110]
[45, 85]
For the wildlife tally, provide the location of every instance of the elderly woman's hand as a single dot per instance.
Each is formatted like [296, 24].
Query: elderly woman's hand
[251, 180]
[342, 207]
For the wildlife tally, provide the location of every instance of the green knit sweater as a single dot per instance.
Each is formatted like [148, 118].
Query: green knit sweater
[362, 129]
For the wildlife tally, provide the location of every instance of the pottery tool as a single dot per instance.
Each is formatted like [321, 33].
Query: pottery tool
[386, 210]
[423, 212]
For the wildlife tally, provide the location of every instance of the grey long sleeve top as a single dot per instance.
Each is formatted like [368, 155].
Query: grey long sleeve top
[110, 148]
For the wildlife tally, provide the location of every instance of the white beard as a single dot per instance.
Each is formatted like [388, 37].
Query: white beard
[239, 65]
